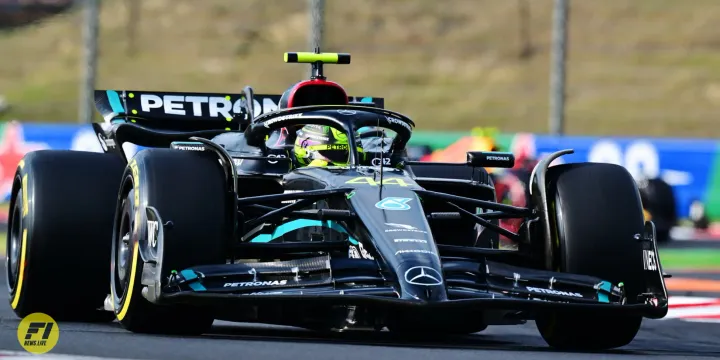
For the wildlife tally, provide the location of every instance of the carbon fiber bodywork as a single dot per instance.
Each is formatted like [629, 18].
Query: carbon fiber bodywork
[362, 244]
[471, 283]
[386, 218]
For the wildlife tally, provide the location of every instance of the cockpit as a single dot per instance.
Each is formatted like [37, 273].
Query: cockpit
[376, 134]
[318, 91]
[371, 141]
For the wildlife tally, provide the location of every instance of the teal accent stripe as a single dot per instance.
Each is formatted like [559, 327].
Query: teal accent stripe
[197, 286]
[299, 224]
[187, 142]
[190, 275]
[115, 102]
[607, 287]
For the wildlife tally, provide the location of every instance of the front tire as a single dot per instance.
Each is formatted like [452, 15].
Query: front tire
[597, 212]
[60, 229]
[187, 189]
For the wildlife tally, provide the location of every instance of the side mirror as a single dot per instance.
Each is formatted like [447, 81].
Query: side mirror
[490, 159]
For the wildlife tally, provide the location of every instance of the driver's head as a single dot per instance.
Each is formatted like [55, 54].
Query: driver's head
[318, 145]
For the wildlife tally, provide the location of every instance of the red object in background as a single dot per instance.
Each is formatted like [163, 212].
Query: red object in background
[512, 191]
[12, 149]
[510, 184]
[457, 151]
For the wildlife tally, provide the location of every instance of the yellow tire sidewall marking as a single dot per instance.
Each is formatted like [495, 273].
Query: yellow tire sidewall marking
[125, 306]
[23, 245]
[21, 276]
[38, 333]
[131, 285]
[25, 201]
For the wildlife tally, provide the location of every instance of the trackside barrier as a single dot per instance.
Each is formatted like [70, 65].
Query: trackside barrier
[691, 166]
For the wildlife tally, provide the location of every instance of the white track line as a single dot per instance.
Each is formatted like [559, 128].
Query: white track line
[695, 312]
[690, 300]
[695, 309]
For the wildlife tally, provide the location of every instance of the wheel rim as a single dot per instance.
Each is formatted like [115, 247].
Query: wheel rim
[122, 255]
[14, 244]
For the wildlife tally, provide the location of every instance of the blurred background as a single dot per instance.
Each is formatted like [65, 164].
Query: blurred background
[631, 82]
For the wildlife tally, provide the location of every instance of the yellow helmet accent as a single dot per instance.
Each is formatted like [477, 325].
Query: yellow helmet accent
[318, 163]
[339, 136]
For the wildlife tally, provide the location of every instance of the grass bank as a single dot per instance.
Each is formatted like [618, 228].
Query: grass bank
[690, 259]
[641, 67]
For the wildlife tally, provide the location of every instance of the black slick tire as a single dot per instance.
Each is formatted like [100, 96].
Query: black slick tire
[597, 212]
[658, 198]
[60, 229]
[188, 189]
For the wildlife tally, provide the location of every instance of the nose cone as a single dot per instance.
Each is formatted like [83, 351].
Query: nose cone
[401, 234]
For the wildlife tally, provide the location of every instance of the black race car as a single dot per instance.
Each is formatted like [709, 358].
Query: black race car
[218, 221]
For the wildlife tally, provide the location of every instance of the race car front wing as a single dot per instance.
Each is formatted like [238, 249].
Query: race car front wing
[473, 277]
[357, 282]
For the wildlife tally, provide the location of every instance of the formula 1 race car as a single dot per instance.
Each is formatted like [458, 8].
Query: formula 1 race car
[218, 219]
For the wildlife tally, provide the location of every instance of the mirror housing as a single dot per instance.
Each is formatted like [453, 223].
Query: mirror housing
[490, 159]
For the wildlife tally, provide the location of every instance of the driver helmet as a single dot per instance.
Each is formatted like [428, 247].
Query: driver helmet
[318, 145]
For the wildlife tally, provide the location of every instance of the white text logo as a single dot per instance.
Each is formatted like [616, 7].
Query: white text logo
[553, 292]
[152, 228]
[256, 283]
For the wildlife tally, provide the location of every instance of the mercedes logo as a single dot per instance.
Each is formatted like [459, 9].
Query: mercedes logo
[423, 275]
[346, 112]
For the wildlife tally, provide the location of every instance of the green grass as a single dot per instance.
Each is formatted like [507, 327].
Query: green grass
[641, 67]
[3, 243]
[690, 259]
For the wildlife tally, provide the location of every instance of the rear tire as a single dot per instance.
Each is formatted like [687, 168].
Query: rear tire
[597, 212]
[658, 198]
[60, 227]
[188, 189]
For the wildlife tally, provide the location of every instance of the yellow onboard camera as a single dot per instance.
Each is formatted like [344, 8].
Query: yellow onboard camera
[311, 57]
[316, 60]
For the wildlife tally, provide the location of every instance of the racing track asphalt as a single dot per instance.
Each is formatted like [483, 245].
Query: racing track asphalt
[657, 339]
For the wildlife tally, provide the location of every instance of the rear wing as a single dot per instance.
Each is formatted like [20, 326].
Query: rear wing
[183, 111]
